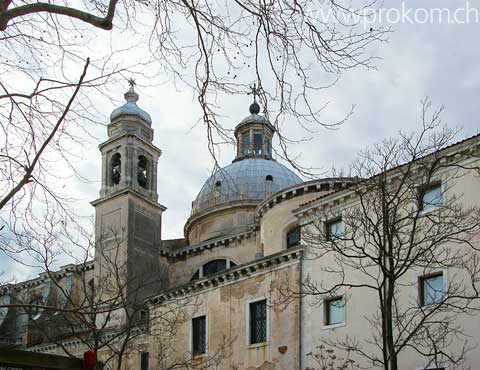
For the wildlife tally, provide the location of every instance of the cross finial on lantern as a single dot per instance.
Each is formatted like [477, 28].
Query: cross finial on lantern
[132, 82]
[253, 91]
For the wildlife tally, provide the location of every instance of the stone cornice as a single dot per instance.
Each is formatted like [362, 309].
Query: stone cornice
[229, 276]
[313, 186]
[210, 244]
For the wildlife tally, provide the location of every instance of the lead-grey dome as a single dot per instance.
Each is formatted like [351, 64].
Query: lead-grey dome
[248, 179]
[131, 108]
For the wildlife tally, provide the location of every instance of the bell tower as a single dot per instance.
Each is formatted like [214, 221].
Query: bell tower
[128, 217]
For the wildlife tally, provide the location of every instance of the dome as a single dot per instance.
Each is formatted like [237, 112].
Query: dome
[248, 179]
[131, 108]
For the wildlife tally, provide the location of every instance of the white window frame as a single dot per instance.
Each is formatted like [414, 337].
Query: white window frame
[324, 310]
[190, 342]
[247, 315]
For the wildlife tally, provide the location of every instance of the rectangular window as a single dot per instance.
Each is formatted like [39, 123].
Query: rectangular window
[199, 337]
[294, 237]
[430, 288]
[245, 144]
[334, 311]
[431, 197]
[144, 361]
[258, 322]
[334, 229]
[257, 144]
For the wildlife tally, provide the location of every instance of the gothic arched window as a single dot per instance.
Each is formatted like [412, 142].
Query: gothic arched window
[142, 176]
[116, 169]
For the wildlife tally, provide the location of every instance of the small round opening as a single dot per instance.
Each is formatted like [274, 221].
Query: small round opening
[218, 184]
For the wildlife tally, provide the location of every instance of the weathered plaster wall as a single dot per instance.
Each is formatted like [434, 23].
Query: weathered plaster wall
[226, 309]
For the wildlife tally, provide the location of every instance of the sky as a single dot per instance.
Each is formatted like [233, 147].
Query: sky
[423, 58]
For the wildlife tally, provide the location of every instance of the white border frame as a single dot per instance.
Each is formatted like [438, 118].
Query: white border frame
[247, 316]
[190, 336]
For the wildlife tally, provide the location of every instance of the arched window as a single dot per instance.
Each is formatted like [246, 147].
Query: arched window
[294, 237]
[269, 178]
[116, 169]
[218, 184]
[142, 175]
[212, 267]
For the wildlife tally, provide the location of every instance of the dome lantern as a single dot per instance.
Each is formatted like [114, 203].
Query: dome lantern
[254, 134]
[130, 108]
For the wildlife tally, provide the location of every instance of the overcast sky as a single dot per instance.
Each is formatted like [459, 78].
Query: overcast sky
[434, 58]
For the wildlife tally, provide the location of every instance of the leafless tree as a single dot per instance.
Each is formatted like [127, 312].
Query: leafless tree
[409, 243]
[105, 309]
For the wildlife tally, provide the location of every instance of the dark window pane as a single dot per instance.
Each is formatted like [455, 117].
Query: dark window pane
[116, 169]
[195, 276]
[214, 266]
[142, 175]
[293, 237]
[245, 143]
[432, 198]
[258, 322]
[431, 289]
[144, 361]
[334, 311]
[199, 335]
[257, 144]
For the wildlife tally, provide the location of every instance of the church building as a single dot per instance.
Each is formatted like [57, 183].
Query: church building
[231, 294]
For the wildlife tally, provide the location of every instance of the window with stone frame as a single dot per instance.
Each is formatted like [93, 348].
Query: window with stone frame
[334, 229]
[294, 237]
[116, 169]
[142, 172]
[334, 311]
[246, 143]
[144, 357]
[199, 335]
[258, 322]
[430, 288]
[431, 197]
[258, 143]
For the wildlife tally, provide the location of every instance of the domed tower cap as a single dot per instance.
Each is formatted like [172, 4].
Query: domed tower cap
[130, 107]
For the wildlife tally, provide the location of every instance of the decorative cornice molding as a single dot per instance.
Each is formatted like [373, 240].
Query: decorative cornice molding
[229, 276]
